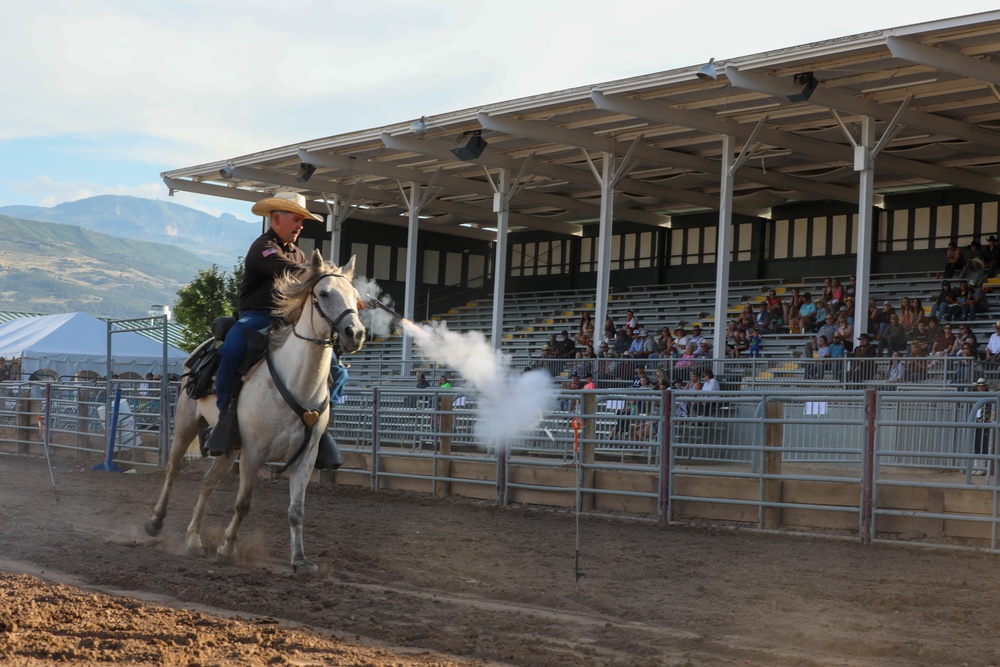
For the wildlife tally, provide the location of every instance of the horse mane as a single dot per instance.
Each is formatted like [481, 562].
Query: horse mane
[292, 290]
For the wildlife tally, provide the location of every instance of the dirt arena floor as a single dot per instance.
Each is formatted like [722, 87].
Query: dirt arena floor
[411, 580]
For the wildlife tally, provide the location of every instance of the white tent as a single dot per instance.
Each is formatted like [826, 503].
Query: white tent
[73, 342]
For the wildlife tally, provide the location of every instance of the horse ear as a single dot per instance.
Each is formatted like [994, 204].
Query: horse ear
[317, 259]
[348, 269]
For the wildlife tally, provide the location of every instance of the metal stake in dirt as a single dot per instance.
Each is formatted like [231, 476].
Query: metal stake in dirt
[45, 437]
[112, 430]
[576, 423]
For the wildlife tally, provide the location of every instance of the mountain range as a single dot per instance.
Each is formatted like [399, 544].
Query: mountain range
[220, 240]
[110, 256]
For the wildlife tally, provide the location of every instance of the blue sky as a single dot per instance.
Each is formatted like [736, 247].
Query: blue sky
[101, 97]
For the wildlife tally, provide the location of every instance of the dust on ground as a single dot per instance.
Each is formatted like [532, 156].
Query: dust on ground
[407, 579]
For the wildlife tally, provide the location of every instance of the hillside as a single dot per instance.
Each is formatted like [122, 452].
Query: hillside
[218, 240]
[55, 268]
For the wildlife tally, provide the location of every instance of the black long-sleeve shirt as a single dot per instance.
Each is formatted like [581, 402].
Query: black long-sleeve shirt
[267, 259]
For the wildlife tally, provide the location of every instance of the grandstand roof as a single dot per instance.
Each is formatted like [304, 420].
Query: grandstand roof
[938, 78]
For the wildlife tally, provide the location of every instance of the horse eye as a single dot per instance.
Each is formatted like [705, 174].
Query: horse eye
[324, 293]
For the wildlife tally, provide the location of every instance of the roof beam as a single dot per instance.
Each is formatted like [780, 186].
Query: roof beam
[661, 112]
[828, 96]
[250, 196]
[944, 59]
[374, 194]
[543, 132]
[440, 150]
[351, 164]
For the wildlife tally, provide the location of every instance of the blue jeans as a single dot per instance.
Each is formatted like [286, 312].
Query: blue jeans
[234, 349]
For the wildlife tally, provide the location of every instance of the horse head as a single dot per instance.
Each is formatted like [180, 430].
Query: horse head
[329, 290]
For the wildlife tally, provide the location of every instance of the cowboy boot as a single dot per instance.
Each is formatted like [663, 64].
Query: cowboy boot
[328, 456]
[225, 436]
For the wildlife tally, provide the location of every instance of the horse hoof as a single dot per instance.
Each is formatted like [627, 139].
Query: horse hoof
[304, 569]
[153, 526]
[225, 557]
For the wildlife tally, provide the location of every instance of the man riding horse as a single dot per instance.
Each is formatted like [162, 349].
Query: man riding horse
[273, 254]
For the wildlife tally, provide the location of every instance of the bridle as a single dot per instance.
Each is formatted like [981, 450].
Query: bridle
[334, 339]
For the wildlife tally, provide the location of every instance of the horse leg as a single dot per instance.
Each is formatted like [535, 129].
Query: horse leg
[297, 484]
[185, 430]
[220, 466]
[244, 499]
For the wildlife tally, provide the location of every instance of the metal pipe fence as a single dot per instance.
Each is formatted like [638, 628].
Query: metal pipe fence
[869, 463]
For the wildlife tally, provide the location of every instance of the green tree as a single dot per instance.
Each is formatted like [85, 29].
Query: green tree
[212, 293]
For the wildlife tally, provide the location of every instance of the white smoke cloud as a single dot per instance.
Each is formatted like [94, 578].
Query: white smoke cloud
[376, 320]
[509, 403]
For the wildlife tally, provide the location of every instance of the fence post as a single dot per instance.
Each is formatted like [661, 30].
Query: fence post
[444, 444]
[666, 417]
[588, 447]
[775, 432]
[868, 477]
[375, 440]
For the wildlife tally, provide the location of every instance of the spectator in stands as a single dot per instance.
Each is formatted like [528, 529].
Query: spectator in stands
[917, 308]
[740, 346]
[922, 337]
[686, 362]
[776, 307]
[991, 257]
[837, 348]
[845, 327]
[822, 363]
[954, 260]
[696, 336]
[827, 292]
[945, 300]
[637, 349]
[893, 337]
[827, 329]
[754, 339]
[905, 314]
[792, 306]
[641, 380]
[965, 335]
[631, 323]
[708, 381]
[622, 342]
[704, 350]
[444, 383]
[681, 337]
[802, 321]
[565, 348]
[934, 330]
[550, 347]
[961, 296]
[694, 382]
[763, 320]
[838, 295]
[583, 366]
[663, 346]
[976, 303]
[422, 382]
[974, 252]
[863, 367]
[916, 365]
[5, 370]
[896, 371]
[822, 309]
[588, 381]
[945, 343]
[746, 319]
[974, 272]
[585, 330]
[885, 317]
[993, 347]
[965, 366]
[851, 288]
[610, 330]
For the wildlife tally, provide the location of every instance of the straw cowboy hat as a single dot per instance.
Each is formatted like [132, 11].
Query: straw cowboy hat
[292, 202]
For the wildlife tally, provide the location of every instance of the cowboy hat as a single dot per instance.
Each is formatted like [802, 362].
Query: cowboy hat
[981, 382]
[291, 202]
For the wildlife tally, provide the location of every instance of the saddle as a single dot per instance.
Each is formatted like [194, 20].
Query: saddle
[199, 380]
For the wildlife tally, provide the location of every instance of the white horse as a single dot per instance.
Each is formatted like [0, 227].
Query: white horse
[321, 305]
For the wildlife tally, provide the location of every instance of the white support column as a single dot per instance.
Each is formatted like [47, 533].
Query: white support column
[604, 248]
[410, 288]
[864, 164]
[501, 206]
[725, 236]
